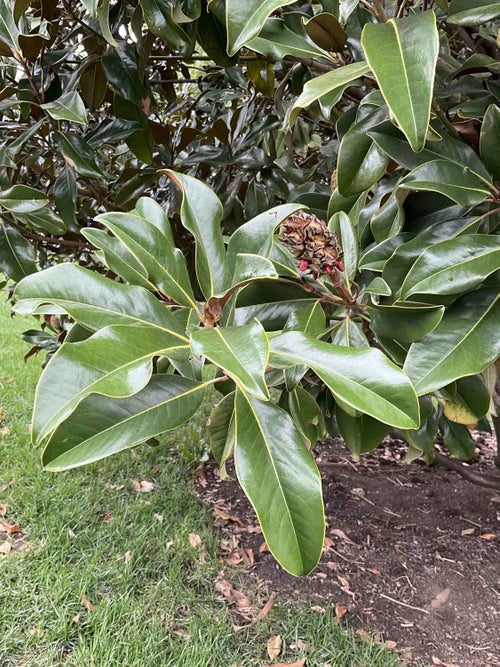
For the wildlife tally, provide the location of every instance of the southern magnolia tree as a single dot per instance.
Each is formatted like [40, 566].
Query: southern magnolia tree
[374, 309]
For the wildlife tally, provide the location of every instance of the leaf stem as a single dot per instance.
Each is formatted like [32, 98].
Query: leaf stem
[445, 120]
[380, 11]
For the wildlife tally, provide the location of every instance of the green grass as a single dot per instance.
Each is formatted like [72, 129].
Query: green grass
[156, 608]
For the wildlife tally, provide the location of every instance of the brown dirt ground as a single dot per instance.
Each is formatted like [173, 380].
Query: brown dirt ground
[416, 558]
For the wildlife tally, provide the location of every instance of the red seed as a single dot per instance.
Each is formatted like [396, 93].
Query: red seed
[315, 275]
[339, 265]
[329, 269]
[303, 265]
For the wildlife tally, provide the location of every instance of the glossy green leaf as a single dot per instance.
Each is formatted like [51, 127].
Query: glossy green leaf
[473, 12]
[93, 84]
[252, 267]
[349, 333]
[402, 54]
[349, 244]
[405, 322]
[466, 400]
[44, 220]
[423, 438]
[362, 378]
[334, 83]
[219, 429]
[361, 433]
[22, 199]
[9, 33]
[454, 266]
[376, 255]
[78, 154]
[90, 6]
[279, 476]
[360, 161]
[153, 248]
[276, 40]
[310, 320]
[69, 106]
[241, 352]
[118, 258]
[464, 343]
[256, 236]
[306, 415]
[103, 18]
[120, 67]
[245, 20]
[394, 143]
[457, 439]
[64, 192]
[459, 184]
[117, 361]
[201, 214]
[17, 255]
[159, 18]
[92, 300]
[489, 144]
[101, 426]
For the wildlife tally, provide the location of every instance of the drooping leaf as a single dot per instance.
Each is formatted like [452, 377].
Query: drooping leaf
[219, 428]
[466, 400]
[242, 352]
[44, 220]
[306, 414]
[120, 67]
[332, 83]
[92, 300]
[464, 343]
[453, 266]
[69, 106]
[362, 378]
[489, 144]
[361, 433]
[457, 439]
[22, 199]
[64, 192]
[101, 426]
[325, 30]
[279, 476]
[159, 18]
[201, 214]
[17, 255]
[423, 438]
[244, 21]
[402, 54]
[459, 184]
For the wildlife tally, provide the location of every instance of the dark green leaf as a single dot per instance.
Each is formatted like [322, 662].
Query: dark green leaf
[473, 12]
[17, 256]
[279, 476]
[22, 199]
[361, 433]
[69, 106]
[79, 154]
[120, 67]
[457, 439]
[101, 426]
[464, 343]
[490, 139]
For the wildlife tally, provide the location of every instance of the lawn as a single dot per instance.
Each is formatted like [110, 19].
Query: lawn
[103, 571]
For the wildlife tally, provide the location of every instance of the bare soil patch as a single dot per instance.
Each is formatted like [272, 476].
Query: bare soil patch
[412, 552]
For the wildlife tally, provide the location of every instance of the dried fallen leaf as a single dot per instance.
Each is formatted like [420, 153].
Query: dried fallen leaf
[373, 571]
[226, 589]
[143, 487]
[390, 645]
[3, 509]
[263, 547]
[441, 598]
[6, 380]
[10, 528]
[340, 610]
[114, 487]
[234, 558]
[301, 646]
[228, 517]
[487, 536]
[5, 430]
[344, 582]
[202, 480]
[158, 517]
[71, 533]
[107, 517]
[274, 646]
[298, 663]
[85, 602]
[5, 547]
[340, 533]
[437, 661]
[467, 531]
[127, 556]
[4, 487]
[266, 608]
[328, 543]
[76, 620]
[194, 540]
[248, 556]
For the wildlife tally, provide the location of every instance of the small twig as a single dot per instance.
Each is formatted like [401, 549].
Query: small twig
[367, 5]
[52, 240]
[403, 604]
[380, 11]
[445, 120]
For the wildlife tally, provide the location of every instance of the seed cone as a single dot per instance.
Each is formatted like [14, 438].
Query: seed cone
[310, 241]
